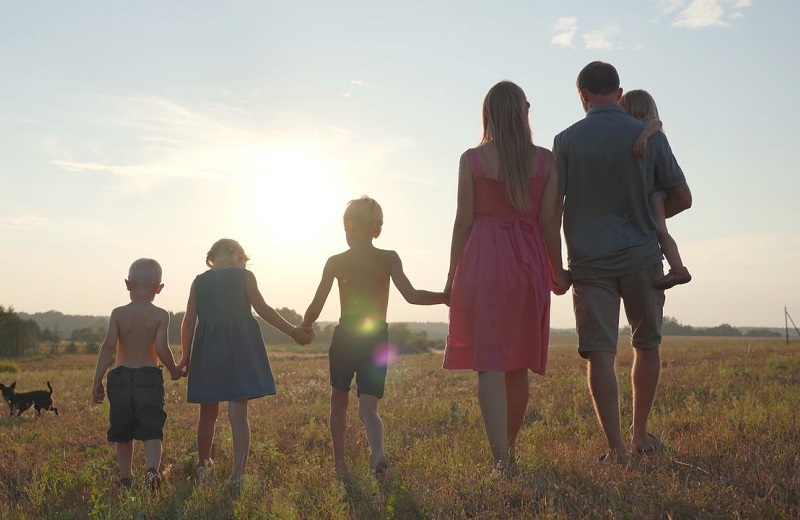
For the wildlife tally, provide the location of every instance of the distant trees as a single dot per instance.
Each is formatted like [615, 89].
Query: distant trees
[88, 334]
[14, 337]
[672, 327]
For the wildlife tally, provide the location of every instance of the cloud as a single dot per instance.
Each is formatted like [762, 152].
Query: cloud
[700, 14]
[359, 82]
[23, 222]
[597, 41]
[566, 28]
[669, 6]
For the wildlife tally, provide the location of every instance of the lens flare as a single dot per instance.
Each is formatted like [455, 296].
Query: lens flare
[385, 354]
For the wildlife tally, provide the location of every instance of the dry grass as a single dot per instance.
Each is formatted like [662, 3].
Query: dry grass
[726, 411]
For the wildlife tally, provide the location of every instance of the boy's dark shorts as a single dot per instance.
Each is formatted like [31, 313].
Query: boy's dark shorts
[359, 347]
[136, 396]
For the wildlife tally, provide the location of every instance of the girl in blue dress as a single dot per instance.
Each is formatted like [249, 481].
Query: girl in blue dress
[224, 351]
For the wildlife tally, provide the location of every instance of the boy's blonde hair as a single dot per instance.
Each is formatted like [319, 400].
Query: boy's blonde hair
[225, 250]
[145, 272]
[640, 105]
[363, 216]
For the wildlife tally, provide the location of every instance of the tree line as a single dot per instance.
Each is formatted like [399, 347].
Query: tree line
[19, 335]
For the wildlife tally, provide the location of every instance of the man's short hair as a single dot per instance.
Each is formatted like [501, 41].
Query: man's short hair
[599, 78]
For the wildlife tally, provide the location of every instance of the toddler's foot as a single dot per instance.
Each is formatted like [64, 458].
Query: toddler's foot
[673, 277]
[152, 480]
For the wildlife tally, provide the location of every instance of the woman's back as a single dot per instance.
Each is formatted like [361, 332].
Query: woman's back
[491, 200]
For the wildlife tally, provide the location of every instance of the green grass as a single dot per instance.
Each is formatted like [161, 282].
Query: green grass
[726, 410]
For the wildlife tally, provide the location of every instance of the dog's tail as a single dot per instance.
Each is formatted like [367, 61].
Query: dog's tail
[50, 387]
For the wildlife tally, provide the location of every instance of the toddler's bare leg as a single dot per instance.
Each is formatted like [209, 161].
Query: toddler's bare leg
[338, 425]
[152, 453]
[125, 459]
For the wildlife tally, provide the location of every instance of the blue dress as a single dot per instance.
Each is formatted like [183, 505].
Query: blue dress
[229, 359]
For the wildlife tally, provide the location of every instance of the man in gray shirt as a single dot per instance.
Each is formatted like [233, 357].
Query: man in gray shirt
[612, 246]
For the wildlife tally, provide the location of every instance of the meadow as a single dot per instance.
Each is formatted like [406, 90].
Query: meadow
[726, 412]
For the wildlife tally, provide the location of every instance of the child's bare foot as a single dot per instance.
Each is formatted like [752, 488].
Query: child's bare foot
[612, 457]
[378, 465]
[203, 471]
[673, 277]
[342, 470]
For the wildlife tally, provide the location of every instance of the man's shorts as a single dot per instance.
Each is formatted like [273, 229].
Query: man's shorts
[596, 303]
[136, 396]
[359, 347]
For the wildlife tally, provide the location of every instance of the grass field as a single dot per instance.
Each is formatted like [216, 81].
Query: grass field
[726, 411]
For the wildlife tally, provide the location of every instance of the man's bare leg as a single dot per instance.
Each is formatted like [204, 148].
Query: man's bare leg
[644, 378]
[605, 395]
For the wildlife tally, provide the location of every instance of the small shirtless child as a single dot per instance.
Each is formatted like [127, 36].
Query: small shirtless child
[137, 334]
[360, 343]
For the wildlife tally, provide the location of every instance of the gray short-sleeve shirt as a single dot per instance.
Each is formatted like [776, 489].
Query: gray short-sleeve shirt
[609, 222]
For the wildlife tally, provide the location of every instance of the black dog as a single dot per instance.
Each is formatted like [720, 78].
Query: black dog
[39, 399]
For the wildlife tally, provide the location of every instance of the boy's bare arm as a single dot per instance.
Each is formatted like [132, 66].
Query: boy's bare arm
[187, 330]
[162, 345]
[651, 126]
[412, 295]
[104, 358]
[321, 296]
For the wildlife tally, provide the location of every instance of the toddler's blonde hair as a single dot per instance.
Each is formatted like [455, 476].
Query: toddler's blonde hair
[364, 216]
[145, 272]
[225, 251]
[640, 105]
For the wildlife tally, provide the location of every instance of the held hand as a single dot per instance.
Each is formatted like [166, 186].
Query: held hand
[98, 393]
[183, 366]
[640, 147]
[302, 336]
[176, 373]
[561, 282]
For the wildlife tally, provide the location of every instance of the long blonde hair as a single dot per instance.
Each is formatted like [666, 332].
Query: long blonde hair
[639, 104]
[505, 122]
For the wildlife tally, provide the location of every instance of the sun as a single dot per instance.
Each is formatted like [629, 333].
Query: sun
[288, 194]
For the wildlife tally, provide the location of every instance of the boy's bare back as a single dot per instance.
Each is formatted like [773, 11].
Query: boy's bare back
[138, 328]
[363, 276]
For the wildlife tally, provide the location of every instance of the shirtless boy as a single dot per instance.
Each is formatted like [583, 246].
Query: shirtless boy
[360, 342]
[137, 337]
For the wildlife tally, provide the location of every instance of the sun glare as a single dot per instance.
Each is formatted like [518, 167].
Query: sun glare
[289, 194]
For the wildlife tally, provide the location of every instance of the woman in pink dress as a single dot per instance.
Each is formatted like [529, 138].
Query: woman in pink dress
[504, 259]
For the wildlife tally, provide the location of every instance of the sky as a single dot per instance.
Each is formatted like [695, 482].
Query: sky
[152, 129]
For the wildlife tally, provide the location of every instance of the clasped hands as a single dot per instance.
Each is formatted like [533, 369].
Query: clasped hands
[303, 335]
[561, 281]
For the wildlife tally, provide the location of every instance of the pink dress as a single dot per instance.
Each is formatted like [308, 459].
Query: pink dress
[500, 304]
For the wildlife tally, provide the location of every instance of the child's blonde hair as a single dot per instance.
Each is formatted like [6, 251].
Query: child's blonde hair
[640, 105]
[225, 251]
[364, 216]
[145, 272]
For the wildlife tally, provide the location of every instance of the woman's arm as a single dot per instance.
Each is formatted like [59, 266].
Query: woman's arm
[187, 330]
[465, 215]
[550, 213]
